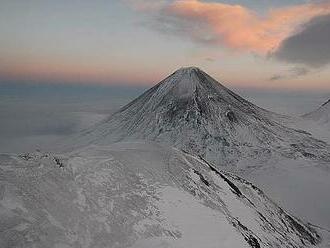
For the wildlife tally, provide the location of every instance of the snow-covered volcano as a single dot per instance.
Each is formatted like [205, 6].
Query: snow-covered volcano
[137, 195]
[321, 115]
[192, 111]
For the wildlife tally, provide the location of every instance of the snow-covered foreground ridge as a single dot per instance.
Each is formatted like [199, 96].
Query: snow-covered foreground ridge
[193, 112]
[137, 195]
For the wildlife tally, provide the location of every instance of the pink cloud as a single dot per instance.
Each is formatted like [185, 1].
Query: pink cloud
[237, 27]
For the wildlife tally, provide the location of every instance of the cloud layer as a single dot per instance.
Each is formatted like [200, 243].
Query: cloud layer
[234, 26]
[310, 46]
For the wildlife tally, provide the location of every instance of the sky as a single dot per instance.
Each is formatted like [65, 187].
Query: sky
[253, 44]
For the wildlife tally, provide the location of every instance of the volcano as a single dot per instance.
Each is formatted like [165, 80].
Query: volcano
[192, 111]
[159, 184]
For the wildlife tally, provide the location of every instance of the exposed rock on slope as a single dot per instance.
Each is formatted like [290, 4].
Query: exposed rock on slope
[193, 112]
[137, 195]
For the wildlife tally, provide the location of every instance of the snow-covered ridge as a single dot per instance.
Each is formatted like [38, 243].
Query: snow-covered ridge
[137, 195]
[326, 103]
[321, 115]
[193, 112]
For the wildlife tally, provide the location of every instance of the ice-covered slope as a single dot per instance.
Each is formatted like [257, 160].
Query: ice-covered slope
[137, 195]
[192, 111]
[321, 115]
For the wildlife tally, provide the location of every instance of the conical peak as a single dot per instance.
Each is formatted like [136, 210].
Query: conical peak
[192, 77]
[185, 80]
[189, 69]
[189, 75]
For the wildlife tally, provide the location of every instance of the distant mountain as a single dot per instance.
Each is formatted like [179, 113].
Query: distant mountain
[193, 112]
[322, 114]
[137, 195]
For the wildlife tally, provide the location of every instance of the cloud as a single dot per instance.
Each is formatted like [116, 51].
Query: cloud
[310, 46]
[290, 74]
[234, 26]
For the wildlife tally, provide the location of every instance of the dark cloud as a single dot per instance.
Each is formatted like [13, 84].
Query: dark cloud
[310, 46]
[290, 74]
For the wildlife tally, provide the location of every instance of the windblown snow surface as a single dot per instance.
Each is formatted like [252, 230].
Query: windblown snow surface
[137, 195]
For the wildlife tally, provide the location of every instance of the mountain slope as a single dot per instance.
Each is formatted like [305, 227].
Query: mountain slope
[193, 112]
[137, 195]
[321, 115]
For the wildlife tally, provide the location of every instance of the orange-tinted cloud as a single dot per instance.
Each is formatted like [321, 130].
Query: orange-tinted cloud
[235, 26]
